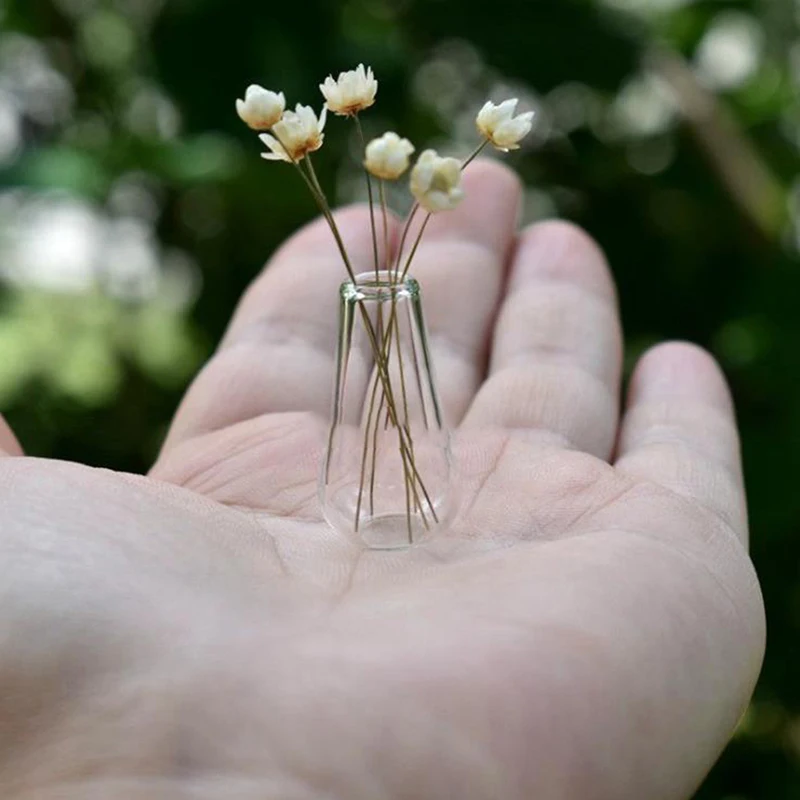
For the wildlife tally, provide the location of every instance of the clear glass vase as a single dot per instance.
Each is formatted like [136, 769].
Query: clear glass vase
[386, 473]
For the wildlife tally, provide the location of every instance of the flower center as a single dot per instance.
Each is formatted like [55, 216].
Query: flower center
[439, 183]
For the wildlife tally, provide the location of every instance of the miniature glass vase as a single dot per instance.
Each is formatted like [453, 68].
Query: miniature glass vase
[386, 474]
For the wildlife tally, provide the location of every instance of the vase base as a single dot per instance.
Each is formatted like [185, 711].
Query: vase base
[391, 531]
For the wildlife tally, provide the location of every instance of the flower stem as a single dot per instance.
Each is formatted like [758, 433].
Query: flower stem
[417, 372]
[318, 194]
[369, 194]
[406, 228]
[404, 396]
[475, 153]
[385, 214]
[414, 248]
[375, 432]
[364, 454]
[322, 202]
[382, 366]
[405, 453]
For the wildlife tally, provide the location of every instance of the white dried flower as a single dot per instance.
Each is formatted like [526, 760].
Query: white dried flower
[351, 92]
[436, 182]
[299, 132]
[499, 125]
[261, 108]
[387, 156]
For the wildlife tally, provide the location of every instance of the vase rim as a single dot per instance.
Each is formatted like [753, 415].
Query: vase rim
[368, 285]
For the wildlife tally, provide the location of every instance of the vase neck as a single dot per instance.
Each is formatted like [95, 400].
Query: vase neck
[382, 285]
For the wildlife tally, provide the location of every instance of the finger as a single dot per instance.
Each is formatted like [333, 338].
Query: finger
[278, 353]
[9, 446]
[557, 353]
[679, 431]
[461, 266]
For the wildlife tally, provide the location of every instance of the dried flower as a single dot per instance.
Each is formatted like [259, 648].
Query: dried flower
[261, 108]
[436, 182]
[299, 132]
[351, 92]
[499, 125]
[387, 156]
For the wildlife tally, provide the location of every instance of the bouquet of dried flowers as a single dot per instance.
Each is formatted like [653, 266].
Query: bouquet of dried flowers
[368, 484]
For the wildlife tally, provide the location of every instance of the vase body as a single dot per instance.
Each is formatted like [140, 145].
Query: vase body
[386, 473]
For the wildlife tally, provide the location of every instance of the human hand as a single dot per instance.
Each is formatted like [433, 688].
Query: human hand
[589, 627]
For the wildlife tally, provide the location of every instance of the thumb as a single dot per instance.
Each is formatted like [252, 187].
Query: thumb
[9, 446]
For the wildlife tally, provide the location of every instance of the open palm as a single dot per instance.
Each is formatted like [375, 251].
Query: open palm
[589, 626]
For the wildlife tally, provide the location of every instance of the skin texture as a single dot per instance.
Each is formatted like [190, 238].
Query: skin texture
[589, 627]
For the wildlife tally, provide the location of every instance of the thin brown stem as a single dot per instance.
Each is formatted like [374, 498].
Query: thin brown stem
[404, 396]
[403, 237]
[375, 432]
[318, 194]
[411, 475]
[322, 202]
[417, 372]
[391, 403]
[385, 215]
[386, 355]
[369, 194]
[474, 154]
[401, 369]
[374, 342]
[408, 513]
[414, 248]
[376, 347]
[404, 447]
[364, 453]
[406, 455]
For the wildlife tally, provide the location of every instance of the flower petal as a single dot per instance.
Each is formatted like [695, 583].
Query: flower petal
[506, 108]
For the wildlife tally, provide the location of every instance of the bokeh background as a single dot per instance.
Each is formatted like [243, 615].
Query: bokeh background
[134, 210]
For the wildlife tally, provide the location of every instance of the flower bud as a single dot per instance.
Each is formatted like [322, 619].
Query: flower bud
[387, 156]
[436, 182]
[261, 108]
[299, 132]
[499, 125]
[351, 92]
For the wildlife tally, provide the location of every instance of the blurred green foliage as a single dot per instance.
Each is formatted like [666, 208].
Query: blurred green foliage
[134, 210]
